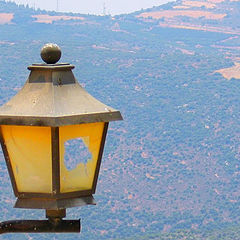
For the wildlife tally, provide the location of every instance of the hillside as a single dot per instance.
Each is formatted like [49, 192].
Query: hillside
[225, 233]
[173, 163]
[212, 15]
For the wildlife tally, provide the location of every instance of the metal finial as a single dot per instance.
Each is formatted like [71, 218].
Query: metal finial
[51, 53]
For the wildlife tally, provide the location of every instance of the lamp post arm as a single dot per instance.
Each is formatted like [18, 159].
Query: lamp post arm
[56, 225]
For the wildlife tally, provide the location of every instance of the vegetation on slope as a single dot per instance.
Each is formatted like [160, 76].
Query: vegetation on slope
[173, 163]
[225, 233]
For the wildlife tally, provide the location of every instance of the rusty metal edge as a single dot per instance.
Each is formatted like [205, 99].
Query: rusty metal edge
[104, 134]
[8, 163]
[51, 196]
[59, 67]
[60, 121]
[40, 226]
[55, 160]
[54, 204]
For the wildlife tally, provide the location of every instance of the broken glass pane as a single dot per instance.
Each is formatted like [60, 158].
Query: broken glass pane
[75, 153]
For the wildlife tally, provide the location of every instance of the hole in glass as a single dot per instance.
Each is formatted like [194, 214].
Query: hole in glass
[76, 152]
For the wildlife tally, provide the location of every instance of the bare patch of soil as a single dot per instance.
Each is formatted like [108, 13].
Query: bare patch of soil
[232, 72]
[181, 7]
[187, 13]
[6, 18]
[216, 1]
[185, 51]
[49, 19]
[199, 4]
[200, 28]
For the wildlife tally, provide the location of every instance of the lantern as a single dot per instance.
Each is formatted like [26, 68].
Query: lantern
[51, 111]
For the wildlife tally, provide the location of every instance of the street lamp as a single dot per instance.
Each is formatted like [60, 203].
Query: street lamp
[50, 110]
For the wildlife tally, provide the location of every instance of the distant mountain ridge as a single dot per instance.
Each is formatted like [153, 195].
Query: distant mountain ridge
[10, 12]
[213, 15]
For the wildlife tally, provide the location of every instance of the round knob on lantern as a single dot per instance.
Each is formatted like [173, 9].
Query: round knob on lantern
[51, 53]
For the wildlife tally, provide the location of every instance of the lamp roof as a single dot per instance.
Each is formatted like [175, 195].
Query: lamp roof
[53, 97]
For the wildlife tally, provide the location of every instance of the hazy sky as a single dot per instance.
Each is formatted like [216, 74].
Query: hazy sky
[112, 7]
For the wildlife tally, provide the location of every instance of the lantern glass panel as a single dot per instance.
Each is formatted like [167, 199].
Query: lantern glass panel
[29, 150]
[79, 176]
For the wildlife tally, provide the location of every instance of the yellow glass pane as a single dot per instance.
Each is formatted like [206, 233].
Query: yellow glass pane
[82, 176]
[29, 149]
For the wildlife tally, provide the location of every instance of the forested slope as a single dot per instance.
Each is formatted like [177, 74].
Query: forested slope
[173, 163]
